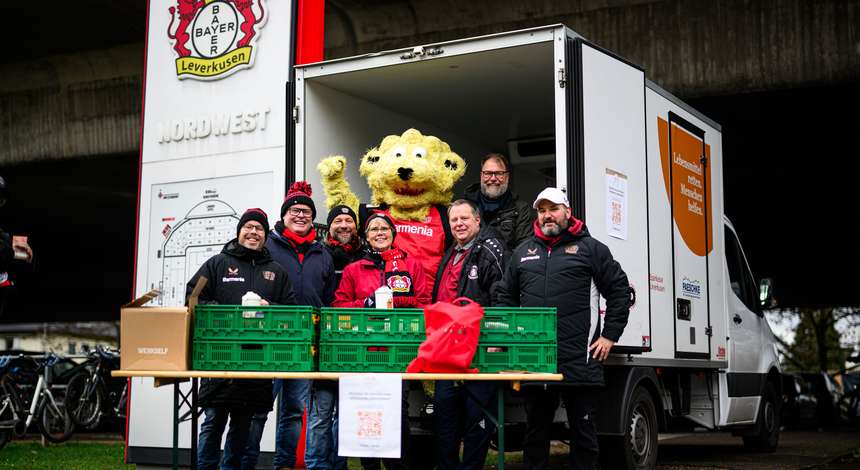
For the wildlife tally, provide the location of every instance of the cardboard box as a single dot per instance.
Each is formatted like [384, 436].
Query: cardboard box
[154, 338]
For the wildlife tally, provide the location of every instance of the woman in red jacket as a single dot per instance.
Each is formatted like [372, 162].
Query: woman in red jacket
[382, 265]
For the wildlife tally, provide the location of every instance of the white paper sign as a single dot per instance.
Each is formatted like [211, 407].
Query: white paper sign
[369, 415]
[616, 204]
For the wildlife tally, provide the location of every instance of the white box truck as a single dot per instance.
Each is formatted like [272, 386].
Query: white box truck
[641, 168]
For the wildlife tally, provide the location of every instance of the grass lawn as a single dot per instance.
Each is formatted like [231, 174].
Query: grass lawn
[26, 455]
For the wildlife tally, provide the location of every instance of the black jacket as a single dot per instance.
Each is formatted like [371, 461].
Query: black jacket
[341, 257]
[482, 268]
[512, 221]
[232, 273]
[568, 275]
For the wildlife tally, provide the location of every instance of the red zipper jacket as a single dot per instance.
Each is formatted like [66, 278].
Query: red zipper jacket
[361, 279]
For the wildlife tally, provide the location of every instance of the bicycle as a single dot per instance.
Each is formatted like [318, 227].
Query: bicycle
[17, 413]
[92, 392]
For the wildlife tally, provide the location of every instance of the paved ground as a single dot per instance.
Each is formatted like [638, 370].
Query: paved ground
[797, 450]
[836, 450]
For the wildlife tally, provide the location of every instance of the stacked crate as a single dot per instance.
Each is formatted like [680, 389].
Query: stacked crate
[379, 340]
[253, 338]
[517, 339]
[369, 340]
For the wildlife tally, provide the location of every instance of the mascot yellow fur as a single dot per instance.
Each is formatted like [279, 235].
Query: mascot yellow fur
[411, 179]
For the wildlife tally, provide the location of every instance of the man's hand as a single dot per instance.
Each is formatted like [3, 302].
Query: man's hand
[601, 348]
[264, 302]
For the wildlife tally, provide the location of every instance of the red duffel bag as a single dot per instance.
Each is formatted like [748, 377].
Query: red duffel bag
[452, 337]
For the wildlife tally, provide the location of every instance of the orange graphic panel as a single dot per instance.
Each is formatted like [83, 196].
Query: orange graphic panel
[690, 185]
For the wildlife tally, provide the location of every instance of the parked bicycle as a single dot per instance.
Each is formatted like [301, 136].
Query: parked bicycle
[18, 409]
[93, 394]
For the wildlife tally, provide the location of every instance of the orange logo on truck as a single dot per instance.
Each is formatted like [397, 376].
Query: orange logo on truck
[214, 38]
[690, 183]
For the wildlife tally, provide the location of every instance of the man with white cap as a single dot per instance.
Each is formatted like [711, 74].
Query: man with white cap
[562, 266]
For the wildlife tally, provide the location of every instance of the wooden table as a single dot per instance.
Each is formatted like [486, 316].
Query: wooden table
[190, 399]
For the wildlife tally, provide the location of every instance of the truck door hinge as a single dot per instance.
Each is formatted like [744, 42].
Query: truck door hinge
[562, 78]
[709, 331]
[296, 114]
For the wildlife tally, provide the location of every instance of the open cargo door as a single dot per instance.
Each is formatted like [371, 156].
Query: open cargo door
[607, 168]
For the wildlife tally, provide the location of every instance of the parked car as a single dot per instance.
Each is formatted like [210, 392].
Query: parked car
[799, 404]
[828, 394]
[850, 403]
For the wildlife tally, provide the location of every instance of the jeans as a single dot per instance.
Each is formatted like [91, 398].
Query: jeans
[457, 417]
[321, 437]
[541, 404]
[209, 443]
[252, 450]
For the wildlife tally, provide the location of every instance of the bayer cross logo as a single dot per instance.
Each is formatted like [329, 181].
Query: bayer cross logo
[214, 38]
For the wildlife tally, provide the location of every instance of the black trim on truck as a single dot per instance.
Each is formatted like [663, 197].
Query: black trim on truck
[745, 384]
[575, 138]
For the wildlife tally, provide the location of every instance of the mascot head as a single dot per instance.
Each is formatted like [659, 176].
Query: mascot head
[411, 171]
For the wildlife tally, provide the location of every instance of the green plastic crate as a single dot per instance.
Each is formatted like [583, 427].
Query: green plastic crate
[366, 357]
[372, 325]
[520, 324]
[283, 356]
[531, 357]
[262, 323]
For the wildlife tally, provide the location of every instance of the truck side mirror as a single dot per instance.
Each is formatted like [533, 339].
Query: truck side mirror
[765, 293]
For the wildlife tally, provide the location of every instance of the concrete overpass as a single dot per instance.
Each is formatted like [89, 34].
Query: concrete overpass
[71, 77]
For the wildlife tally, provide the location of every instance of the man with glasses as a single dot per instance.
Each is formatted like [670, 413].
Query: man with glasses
[293, 243]
[500, 208]
[243, 265]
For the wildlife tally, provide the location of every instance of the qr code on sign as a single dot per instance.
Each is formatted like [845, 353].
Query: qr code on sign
[369, 424]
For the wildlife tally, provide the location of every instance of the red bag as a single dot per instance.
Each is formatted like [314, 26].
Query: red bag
[452, 337]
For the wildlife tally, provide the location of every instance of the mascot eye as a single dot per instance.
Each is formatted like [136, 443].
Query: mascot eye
[419, 152]
[399, 152]
[451, 165]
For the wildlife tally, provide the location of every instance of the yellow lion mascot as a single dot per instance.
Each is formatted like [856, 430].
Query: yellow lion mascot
[411, 178]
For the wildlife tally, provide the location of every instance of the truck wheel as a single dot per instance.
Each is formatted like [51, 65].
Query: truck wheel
[765, 435]
[637, 449]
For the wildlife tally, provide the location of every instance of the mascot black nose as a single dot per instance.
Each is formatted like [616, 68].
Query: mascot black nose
[405, 173]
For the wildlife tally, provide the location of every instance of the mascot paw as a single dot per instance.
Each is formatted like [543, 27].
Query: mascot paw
[332, 167]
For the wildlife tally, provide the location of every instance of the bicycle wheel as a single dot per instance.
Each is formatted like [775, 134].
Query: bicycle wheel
[53, 421]
[83, 401]
[7, 418]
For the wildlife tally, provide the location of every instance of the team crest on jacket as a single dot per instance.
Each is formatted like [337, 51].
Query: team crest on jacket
[232, 275]
[269, 275]
[231, 271]
[473, 273]
[571, 249]
[400, 284]
[531, 251]
[214, 38]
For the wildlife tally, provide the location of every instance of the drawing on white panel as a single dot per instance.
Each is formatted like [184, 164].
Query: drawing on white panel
[199, 236]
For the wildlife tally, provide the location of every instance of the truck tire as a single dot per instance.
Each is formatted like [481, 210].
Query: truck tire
[637, 449]
[765, 435]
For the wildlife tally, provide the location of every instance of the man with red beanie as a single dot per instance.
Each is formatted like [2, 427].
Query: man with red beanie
[293, 243]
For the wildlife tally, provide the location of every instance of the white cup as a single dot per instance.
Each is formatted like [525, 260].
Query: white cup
[384, 297]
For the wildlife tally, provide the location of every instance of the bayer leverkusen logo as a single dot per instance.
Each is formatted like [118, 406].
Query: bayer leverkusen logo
[214, 38]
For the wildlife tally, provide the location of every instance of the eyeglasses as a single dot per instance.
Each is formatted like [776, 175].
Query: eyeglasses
[497, 174]
[295, 211]
[254, 228]
[379, 230]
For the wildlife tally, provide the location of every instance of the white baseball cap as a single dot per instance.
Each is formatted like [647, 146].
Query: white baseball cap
[553, 195]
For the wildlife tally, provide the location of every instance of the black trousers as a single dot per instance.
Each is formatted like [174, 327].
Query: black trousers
[457, 417]
[541, 404]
